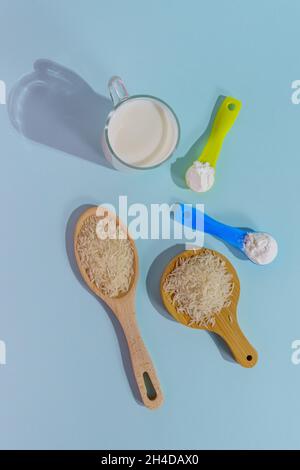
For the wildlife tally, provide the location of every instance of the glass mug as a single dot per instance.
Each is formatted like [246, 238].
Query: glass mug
[141, 131]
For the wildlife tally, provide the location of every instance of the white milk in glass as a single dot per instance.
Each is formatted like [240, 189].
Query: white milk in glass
[143, 132]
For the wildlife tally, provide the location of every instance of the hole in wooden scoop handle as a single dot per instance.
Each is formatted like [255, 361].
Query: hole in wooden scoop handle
[243, 352]
[143, 368]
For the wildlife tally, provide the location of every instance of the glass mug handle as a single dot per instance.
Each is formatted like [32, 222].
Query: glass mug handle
[117, 90]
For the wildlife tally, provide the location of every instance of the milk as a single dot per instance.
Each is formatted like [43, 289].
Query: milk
[143, 132]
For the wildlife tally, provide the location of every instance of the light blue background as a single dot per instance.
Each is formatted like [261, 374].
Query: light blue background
[64, 385]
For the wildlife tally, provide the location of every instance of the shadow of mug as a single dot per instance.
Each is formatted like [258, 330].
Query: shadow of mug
[54, 106]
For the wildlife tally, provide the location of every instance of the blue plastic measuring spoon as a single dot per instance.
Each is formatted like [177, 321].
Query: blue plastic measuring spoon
[261, 250]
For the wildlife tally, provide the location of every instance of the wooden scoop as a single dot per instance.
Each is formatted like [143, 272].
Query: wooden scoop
[123, 307]
[226, 324]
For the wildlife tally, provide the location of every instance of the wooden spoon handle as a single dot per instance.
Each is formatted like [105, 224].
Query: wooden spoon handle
[143, 368]
[242, 350]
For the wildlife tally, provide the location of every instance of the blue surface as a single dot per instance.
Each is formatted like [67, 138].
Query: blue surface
[64, 384]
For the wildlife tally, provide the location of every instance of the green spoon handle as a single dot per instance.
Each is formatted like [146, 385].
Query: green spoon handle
[223, 122]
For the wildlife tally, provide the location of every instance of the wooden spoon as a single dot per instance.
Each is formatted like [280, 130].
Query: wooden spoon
[226, 324]
[123, 307]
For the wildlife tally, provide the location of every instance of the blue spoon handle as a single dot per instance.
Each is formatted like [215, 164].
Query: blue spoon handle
[196, 220]
[233, 235]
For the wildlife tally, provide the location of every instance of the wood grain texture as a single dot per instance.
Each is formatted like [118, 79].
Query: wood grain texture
[123, 307]
[226, 324]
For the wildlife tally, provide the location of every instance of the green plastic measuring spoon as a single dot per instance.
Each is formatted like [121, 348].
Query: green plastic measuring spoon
[201, 175]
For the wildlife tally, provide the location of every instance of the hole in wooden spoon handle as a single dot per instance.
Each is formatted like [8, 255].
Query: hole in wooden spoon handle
[150, 390]
[149, 387]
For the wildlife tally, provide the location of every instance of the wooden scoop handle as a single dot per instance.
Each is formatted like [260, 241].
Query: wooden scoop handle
[242, 350]
[143, 368]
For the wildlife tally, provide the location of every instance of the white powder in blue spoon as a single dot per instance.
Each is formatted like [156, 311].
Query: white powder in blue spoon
[260, 247]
